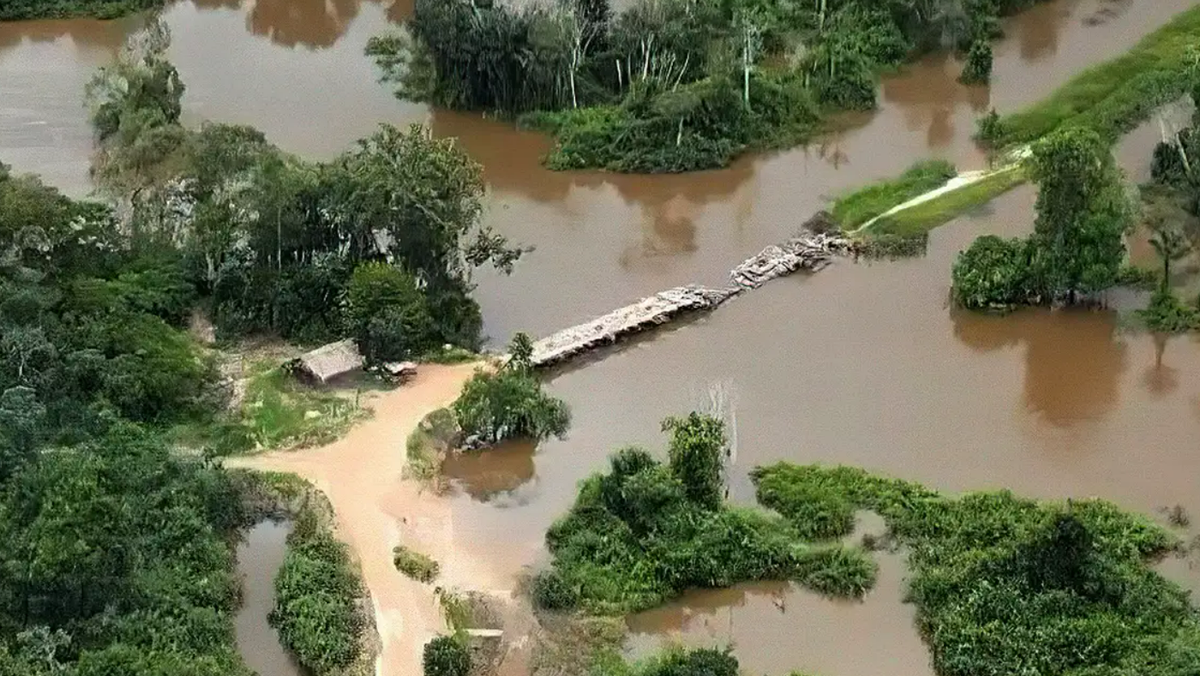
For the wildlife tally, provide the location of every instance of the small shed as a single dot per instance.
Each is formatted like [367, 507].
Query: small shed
[327, 362]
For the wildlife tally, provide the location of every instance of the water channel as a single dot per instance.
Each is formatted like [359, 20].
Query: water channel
[864, 364]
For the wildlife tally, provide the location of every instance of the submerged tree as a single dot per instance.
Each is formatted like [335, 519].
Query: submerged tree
[510, 403]
[697, 457]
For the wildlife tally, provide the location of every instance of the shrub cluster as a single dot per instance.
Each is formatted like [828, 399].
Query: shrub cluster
[414, 564]
[316, 598]
[1005, 585]
[645, 532]
[509, 403]
[446, 656]
[1077, 247]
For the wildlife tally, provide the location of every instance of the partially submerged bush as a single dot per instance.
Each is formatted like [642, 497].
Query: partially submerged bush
[1168, 314]
[645, 532]
[495, 406]
[978, 68]
[414, 564]
[992, 274]
[445, 656]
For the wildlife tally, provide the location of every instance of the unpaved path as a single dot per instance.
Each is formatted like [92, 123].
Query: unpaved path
[377, 509]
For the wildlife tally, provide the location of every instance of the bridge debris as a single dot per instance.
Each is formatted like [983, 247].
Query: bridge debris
[806, 251]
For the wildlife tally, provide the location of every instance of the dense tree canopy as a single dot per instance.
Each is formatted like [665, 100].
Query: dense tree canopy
[672, 85]
[271, 240]
[1077, 247]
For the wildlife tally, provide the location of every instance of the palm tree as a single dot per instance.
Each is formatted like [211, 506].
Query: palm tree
[1170, 245]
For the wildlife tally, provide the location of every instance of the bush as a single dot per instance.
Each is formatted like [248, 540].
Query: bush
[1005, 585]
[445, 656]
[551, 592]
[316, 598]
[978, 68]
[992, 274]
[510, 404]
[387, 313]
[414, 564]
[697, 451]
[635, 539]
[1167, 314]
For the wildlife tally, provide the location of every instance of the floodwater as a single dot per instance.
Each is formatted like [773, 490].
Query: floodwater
[259, 557]
[864, 364]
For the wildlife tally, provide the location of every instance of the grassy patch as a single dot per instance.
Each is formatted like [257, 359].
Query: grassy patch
[1115, 96]
[931, 213]
[856, 208]
[280, 412]
[886, 246]
[437, 435]
[414, 564]
[1005, 585]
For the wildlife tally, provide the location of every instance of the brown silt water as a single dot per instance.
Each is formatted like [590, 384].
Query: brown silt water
[863, 364]
[259, 557]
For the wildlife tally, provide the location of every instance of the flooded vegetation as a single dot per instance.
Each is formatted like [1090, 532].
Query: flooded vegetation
[868, 364]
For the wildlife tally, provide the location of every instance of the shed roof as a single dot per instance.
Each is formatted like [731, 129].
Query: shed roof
[330, 361]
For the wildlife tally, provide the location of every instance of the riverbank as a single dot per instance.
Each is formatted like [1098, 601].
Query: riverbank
[377, 508]
[24, 10]
[1115, 96]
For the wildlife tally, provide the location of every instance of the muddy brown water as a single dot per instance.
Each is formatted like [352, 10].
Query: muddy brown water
[862, 364]
[259, 556]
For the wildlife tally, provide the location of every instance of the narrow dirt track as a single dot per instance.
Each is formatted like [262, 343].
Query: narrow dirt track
[362, 474]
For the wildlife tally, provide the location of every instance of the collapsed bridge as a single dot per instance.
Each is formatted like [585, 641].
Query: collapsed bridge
[807, 251]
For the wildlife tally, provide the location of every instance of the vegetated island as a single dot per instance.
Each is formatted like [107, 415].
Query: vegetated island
[672, 85]
[1002, 585]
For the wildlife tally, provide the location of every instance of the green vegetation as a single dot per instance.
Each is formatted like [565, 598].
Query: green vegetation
[978, 68]
[886, 246]
[1113, 97]
[1077, 248]
[1004, 585]
[1168, 314]
[16, 10]
[279, 412]
[944, 208]
[123, 551]
[645, 532]
[437, 434]
[414, 564]
[861, 206]
[377, 244]
[446, 656]
[1170, 209]
[677, 661]
[671, 85]
[316, 598]
[509, 403]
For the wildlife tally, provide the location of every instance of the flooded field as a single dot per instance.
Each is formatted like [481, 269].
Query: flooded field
[864, 364]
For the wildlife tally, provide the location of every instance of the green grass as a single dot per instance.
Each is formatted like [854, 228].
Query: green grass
[923, 217]
[1115, 96]
[436, 435]
[279, 412]
[856, 208]
[414, 564]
